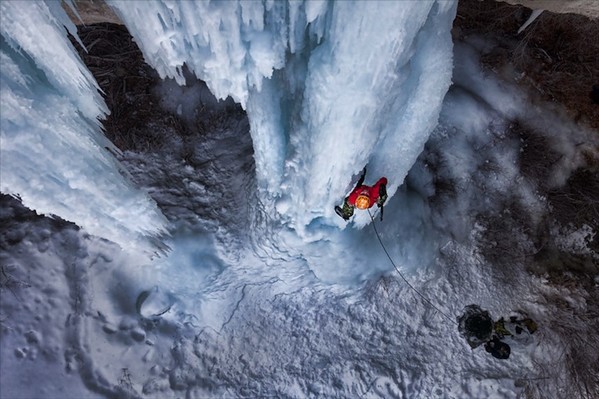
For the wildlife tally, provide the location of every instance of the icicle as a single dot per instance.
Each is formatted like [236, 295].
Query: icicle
[535, 14]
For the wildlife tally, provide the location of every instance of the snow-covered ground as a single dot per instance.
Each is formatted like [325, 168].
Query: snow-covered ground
[251, 301]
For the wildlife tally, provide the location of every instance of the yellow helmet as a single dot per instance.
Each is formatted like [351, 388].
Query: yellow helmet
[363, 201]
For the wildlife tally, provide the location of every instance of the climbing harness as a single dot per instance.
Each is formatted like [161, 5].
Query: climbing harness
[402, 276]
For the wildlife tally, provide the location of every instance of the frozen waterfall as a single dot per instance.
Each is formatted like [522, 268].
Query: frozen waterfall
[53, 154]
[329, 87]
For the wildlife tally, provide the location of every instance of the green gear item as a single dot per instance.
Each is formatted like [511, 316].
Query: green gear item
[348, 210]
[500, 329]
[530, 325]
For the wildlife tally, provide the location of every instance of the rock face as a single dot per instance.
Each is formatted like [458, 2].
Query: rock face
[589, 8]
[91, 12]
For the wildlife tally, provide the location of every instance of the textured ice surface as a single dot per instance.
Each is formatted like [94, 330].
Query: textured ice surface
[328, 86]
[53, 154]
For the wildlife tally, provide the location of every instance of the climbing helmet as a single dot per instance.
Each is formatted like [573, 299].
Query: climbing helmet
[363, 201]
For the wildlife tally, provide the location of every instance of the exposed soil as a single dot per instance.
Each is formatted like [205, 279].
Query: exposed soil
[557, 56]
[126, 80]
[137, 121]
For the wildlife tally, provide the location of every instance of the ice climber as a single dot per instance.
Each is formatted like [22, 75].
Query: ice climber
[364, 197]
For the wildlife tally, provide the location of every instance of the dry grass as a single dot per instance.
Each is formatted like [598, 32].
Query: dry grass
[537, 156]
[126, 80]
[576, 374]
[577, 203]
[572, 326]
[137, 122]
[557, 55]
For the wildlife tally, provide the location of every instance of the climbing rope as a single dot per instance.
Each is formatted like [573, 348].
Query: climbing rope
[402, 276]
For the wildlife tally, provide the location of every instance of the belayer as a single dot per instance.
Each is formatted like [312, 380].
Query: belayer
[364, 197]
[477, 326]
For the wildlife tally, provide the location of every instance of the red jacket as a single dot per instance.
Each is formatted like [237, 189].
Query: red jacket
[372, 192]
